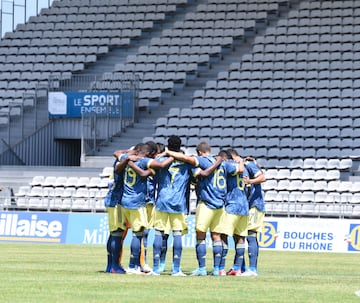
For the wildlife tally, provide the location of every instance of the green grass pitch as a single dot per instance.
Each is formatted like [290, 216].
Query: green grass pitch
[74, 273]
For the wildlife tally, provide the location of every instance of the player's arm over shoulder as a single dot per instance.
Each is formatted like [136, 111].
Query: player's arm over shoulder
[182, 157]
[210, 169]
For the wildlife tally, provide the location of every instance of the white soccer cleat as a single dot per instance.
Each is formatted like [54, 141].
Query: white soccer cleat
[146, 269]
[178, 274]
[249, 273]
[134, 271]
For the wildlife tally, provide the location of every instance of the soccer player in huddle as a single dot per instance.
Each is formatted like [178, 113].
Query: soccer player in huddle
[171, 206]
[235, 219]
[133, 202]
[112, 205]
[256, 213]
[150, 201]
[211, 191]
[210, 210]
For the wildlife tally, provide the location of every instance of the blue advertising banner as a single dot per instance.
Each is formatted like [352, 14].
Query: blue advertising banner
[75, 104]
[292, 234]
[36, 227]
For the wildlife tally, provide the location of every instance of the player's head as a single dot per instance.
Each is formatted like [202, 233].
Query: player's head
[138, 147]
[160, 147]
[232, 152]
[203, 148]
[153, 149]
[174, 143]
[225, 155]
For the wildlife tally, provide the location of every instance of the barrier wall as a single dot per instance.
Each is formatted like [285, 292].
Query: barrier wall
[289, 234]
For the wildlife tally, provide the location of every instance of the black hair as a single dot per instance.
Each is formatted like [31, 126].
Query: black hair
[224, 154]
[232, 152]
[174, 143]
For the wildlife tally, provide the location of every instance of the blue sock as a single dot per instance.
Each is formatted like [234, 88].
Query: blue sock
[157, 249]
[135, 250]
[223, 256]
[115, 246]
[239, 255]
[243, 265]
[164, 248]
[177, 250]
[109, 258]
[201, 253]
[144, 239]
[253, 250]
[217, 253]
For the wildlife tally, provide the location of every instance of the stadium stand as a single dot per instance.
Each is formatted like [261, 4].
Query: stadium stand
[275, 79]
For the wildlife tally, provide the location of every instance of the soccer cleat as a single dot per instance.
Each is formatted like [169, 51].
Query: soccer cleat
[118, 270]
[215, 273]
[178, 274]
[234, 272]
[108, 269]
[146, 269]
[199, 272]
[249, 273]
[134, 271]
[154, 273]
[162, 267]
[222, 272]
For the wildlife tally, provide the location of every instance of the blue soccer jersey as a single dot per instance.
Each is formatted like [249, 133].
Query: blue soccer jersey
[135, 187]
[114, 195]
[173, 185]
[212, 189]
[236, 201]
[256, 198]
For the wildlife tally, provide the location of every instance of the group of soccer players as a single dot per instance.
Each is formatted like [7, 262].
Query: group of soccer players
[151, 190]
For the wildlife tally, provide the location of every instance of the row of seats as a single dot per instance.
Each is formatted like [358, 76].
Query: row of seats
[308, 116]
[320, 163]
[308, 173]
[112, 3]
[342, 164]
[60, 191]
[311, 197]
[105, 12]
[76, 28]
[63, 181]
[263, 151]
[307, 5]
[329, 209]
[34, 51]
[59, 203]
[323, 184]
